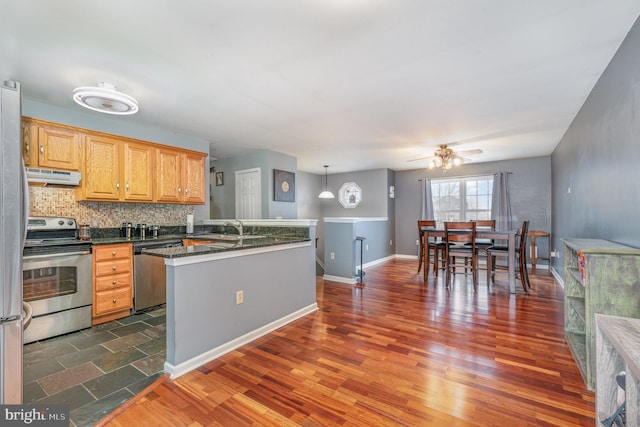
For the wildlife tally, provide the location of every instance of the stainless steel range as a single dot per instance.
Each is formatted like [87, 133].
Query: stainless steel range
[56, 278]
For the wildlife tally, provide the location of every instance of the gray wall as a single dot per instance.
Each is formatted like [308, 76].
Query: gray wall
[598, 159]
[224, 196]
[128, 126]
[529, 185]
[374, 194]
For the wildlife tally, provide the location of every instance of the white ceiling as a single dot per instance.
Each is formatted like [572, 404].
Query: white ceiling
[356, 84]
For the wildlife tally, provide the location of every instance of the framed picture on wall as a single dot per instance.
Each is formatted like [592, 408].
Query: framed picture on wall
[219, 179]
[284, 186]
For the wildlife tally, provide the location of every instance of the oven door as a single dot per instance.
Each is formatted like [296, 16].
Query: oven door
[56, 281]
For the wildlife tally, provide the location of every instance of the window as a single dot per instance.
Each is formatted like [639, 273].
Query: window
[462, 199]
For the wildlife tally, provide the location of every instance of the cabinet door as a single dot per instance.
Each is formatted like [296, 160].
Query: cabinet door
[102, 171]
[168, 176]
[58, 148]
[194, 180]
[30, 143]
[138, 171]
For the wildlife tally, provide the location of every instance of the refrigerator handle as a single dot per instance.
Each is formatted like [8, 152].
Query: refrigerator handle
[25, 202]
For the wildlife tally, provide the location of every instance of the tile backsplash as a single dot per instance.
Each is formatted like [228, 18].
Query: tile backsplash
[60, 201]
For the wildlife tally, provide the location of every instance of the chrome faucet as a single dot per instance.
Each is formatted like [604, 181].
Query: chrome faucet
[237, 224]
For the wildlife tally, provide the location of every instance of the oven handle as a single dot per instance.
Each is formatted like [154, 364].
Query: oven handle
[54, 254]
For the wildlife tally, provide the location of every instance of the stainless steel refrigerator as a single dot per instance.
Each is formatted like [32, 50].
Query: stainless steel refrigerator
[14, 207]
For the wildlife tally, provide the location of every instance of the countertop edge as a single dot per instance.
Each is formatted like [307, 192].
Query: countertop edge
[197, 258]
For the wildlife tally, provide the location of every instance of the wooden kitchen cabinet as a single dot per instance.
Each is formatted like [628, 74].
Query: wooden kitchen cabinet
[49, 145]
[138, 171]
[179, 176]
[117, 169]
[112, 282]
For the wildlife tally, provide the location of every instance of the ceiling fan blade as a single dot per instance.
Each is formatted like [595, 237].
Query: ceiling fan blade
[420, 158]
[469, 152]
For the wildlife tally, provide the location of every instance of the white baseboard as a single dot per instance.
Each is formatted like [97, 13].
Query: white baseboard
[378, 261]
[557, 277]
[340, 279]
[177, 370]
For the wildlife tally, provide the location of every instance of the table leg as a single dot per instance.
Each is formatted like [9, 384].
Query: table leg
[512, 263]
[426, 252]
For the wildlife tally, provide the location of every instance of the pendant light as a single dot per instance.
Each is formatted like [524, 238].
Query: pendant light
[326, 194]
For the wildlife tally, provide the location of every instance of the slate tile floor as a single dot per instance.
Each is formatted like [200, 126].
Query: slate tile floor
[97, 369]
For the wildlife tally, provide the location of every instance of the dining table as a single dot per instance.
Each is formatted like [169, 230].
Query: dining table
[481, 233]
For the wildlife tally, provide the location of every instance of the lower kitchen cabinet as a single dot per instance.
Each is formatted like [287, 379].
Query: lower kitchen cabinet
[112, 282]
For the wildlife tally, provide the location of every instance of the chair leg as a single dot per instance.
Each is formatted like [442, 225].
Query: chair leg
[524, 276]
[421, 255]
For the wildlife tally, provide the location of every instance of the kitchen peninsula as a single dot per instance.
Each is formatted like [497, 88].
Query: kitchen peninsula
[223, 293]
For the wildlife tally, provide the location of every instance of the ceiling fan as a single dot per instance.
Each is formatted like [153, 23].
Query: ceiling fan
[446, 158]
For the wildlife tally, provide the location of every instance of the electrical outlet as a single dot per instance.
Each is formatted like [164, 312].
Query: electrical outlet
[417, 242]
[332, 255]
[554, 253]
[366, 248]
[239, 297]
[390, 242]
[95, 222]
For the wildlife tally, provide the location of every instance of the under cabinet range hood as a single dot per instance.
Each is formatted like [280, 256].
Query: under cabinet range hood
[48, 176]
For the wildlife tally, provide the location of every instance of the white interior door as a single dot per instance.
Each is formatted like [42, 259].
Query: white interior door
[248, 194]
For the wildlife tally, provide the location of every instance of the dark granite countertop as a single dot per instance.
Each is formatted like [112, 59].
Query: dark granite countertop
[114, 240]
[219, 245]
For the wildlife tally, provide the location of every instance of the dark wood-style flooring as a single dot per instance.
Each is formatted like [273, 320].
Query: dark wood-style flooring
[391, 352]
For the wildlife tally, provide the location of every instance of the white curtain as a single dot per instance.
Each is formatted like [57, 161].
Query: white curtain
[426, 201]
[500, 207]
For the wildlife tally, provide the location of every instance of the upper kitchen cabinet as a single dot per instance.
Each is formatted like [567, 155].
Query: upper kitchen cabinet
[179, 176]
[117, 169]
[50, 146]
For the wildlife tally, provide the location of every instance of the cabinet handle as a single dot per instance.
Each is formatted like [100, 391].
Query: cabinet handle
[114, 282]
[114, 300]
[118, 185]
[114, 268]
[41, 148]
[27, 141]
[179, 190]
[186, 191]
[113, 253]
[127, 186]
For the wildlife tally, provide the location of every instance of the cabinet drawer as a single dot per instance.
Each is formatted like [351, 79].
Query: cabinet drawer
[111, 252]
[119, 299]
[107, 283]
[116, 266]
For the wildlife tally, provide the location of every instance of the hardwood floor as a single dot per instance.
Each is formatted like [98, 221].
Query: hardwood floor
[391, 352]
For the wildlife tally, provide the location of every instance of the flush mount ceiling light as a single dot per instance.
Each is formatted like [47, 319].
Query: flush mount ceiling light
[326, 194]
[104, 98]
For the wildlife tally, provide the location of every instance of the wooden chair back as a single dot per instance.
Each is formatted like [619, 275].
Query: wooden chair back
[460, 232]
[485, 223]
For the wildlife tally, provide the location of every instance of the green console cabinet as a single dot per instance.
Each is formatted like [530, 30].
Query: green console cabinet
[599, 277]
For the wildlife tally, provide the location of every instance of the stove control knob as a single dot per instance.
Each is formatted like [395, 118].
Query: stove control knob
[60, 222]
[70, 222]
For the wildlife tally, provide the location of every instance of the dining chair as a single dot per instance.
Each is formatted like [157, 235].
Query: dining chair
[483, 244]
[436, 245]
[460, 242]
[503, 251]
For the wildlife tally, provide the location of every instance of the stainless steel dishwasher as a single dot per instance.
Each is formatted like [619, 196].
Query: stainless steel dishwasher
[149, 274]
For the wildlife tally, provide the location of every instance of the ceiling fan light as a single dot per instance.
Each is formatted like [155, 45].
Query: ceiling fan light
[438, 161]
[457, 161]
[431, 164]
[104, 98]
[448, 166]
